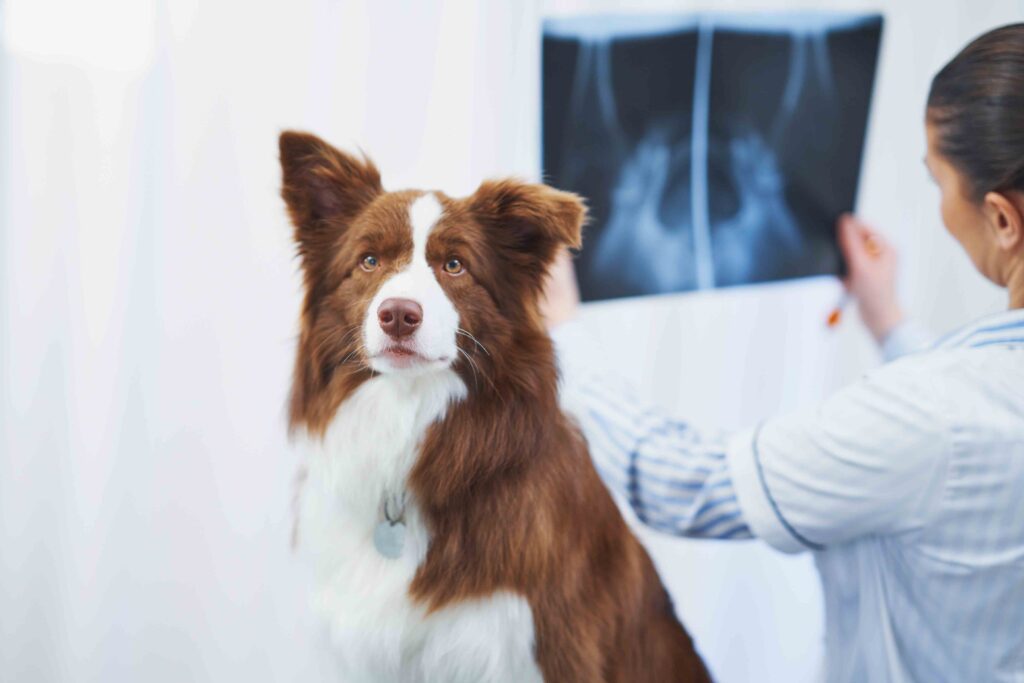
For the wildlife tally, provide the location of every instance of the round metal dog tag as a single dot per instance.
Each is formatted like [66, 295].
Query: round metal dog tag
[388, 538]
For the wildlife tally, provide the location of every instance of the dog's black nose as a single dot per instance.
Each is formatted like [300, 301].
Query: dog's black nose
[399, 317]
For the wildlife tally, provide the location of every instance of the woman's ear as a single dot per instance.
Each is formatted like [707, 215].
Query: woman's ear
[1005, 216]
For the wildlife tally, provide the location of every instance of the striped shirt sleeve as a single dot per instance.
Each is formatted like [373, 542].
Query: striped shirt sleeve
[675, 478]
[905, 339]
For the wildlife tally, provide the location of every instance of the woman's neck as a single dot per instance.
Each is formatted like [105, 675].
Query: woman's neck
[1015, 284]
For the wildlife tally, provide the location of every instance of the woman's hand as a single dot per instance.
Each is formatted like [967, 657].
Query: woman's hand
[871, 275]
[560, 299]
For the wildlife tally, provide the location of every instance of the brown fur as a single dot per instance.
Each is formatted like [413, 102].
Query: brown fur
[504, 481]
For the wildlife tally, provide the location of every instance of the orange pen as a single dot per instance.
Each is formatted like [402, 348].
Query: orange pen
[874, 250]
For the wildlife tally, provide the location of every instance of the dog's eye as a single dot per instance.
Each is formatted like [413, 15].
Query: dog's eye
[369, 263]
[454, 267]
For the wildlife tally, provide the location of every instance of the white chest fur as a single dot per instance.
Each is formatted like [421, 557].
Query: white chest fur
[379, 634]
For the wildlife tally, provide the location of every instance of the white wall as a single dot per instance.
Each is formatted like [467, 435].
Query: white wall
[148, 298]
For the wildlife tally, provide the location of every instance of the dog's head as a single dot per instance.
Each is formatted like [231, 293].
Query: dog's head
[411, 282]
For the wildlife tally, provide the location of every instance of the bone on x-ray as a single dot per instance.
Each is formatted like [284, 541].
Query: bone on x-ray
[713, 150]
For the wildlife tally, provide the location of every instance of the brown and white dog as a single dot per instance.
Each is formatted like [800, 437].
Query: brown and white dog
[457, 528]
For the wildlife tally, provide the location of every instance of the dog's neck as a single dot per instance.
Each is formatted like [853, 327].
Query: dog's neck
[447, 433]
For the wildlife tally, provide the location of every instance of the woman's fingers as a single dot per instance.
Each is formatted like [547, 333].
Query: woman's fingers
[874, 245]
[871, 274]
[859, 241]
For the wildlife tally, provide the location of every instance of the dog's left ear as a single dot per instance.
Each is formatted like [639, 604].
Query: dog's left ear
[529, 223]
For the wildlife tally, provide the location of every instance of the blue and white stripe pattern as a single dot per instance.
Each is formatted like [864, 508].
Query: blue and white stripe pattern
[1006, 329]
[908, 486]
[674, 478]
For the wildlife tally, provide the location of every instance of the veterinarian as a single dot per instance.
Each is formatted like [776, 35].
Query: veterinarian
[909, 485]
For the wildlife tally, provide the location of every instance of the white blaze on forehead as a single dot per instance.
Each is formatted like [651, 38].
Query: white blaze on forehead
[423, 216]
[435, 337]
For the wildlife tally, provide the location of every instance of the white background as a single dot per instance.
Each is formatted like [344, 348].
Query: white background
[148, 303]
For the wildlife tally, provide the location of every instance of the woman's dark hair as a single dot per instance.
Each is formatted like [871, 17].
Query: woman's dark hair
[976, 104]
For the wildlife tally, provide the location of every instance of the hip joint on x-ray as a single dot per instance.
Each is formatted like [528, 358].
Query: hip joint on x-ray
[714, 150]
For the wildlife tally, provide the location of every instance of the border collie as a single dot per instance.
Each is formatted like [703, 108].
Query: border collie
[455, 525]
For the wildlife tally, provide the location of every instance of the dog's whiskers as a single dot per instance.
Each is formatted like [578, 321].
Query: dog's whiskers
[476, 341]
[476, 370]
[351, 334]
[472, 367]
[349, 356]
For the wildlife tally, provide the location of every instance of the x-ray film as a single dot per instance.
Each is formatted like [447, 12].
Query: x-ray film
[713, 150]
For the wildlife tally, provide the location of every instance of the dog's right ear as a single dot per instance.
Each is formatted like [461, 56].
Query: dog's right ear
[324, 189]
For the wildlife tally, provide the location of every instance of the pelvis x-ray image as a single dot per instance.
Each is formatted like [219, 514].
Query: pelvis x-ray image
[713, 150]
